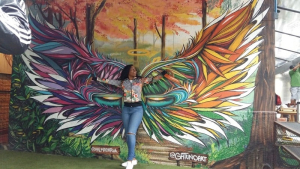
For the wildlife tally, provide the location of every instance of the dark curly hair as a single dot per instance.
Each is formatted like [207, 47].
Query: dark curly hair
[125, 72]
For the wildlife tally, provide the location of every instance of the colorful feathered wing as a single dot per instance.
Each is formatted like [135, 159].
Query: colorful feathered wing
[59, 67]
[205, 83]
[208, 79]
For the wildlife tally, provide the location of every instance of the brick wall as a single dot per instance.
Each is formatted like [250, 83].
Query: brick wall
[5, 84]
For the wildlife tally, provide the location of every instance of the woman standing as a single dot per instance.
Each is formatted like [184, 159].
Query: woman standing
[132, 112]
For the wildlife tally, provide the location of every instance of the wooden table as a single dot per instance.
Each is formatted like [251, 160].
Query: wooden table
[291, 112]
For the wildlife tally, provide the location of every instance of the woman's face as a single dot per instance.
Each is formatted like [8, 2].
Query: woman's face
[132, 72]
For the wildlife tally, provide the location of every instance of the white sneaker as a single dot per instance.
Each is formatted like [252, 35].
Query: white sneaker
[134, 162]
[129, 165]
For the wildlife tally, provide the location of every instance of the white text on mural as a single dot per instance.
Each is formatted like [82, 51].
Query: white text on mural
[105, 150]
[197, 158]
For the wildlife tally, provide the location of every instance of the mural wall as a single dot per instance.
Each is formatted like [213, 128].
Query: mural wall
[203, 106]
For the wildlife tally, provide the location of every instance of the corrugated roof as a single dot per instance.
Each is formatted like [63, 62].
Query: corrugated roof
[287, 35]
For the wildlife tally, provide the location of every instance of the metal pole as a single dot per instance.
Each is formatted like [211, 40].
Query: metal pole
[275, 10]
[298, 112]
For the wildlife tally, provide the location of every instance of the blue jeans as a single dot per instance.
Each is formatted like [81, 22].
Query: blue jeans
[132, 118]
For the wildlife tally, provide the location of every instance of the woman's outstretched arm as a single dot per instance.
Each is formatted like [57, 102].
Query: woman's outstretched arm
[148, 80]
[117, 83]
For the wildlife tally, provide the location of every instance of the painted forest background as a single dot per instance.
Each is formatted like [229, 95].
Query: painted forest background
[113, 26]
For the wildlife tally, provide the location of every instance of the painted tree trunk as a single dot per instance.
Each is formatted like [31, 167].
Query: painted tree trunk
[262, 134]
[163, 38]
[90, 10]
[135, 45]
[91, 14]
[204, 6]
[50, 16]
[264, 98]
[58, 17]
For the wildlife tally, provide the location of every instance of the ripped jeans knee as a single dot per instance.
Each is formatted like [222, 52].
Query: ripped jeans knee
[131, 140]
[129, 133]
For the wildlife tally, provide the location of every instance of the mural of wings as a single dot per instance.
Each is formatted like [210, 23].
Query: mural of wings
[206, 83]
[61, 83]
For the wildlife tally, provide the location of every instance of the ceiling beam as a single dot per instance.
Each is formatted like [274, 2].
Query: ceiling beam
[282, 59]
[287, 50]
[287, 34]
[287, 9]
[286, 66]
